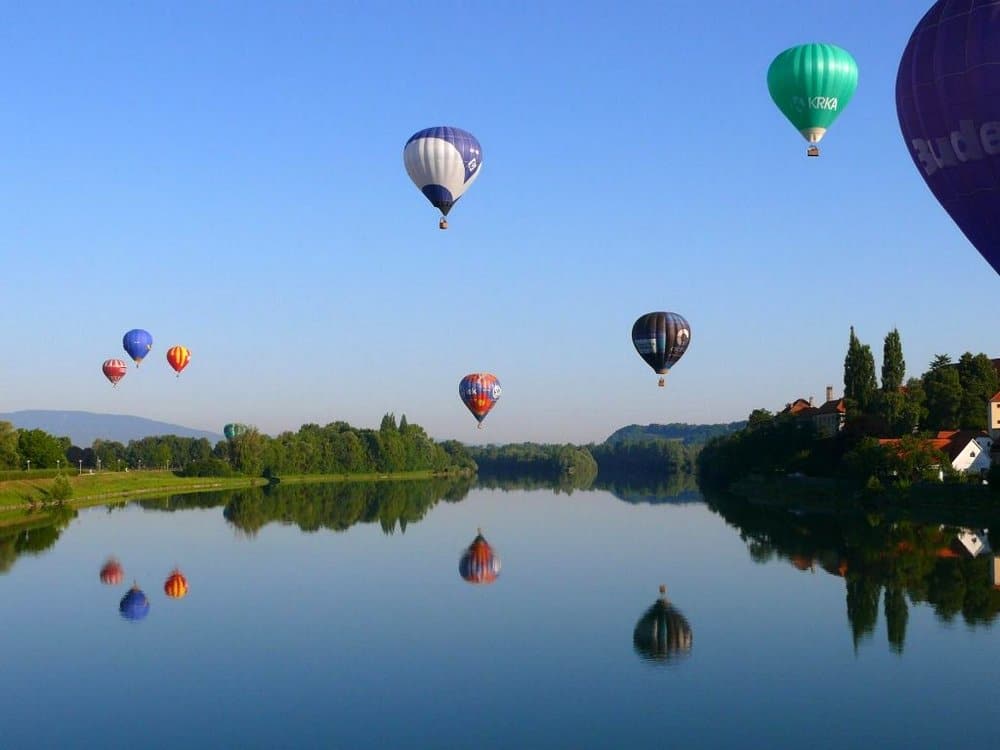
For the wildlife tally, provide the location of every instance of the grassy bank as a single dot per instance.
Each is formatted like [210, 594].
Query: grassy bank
[22, 498]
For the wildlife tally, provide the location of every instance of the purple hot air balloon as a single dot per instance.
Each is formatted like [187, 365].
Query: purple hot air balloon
[948, 102]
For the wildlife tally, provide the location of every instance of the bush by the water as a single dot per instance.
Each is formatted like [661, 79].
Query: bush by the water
[207, 467]
[61, 488]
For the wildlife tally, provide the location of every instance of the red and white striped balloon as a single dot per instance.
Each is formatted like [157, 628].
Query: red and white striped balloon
[114, 370]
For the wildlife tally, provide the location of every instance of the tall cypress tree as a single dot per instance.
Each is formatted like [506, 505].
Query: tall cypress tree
[860, 385]
[851, 366]
[893, 364]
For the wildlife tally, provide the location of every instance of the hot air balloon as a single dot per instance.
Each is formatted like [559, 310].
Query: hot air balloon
[176, 585]
[480, 392]
[137, 343]
[811, 84]
[948, 103]
[662, 633]
[112, 572]
[661, 338]
[114, 370]
[479, 564]
[134, 605]
[443, 162]
[178, 357]
[233, 430]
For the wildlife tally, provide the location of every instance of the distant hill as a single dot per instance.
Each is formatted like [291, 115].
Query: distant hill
[83, 427]
[689, 434]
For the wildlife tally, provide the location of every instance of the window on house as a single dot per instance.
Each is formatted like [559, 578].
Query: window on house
[972, 454]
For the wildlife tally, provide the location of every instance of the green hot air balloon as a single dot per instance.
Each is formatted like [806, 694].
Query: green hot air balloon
[811, 84]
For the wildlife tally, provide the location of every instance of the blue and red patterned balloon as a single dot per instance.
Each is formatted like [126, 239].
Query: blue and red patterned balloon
[948, 103]
[480, 392]
[479, 563]
[443, 162]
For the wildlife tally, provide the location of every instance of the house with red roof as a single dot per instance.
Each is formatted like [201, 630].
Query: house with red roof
[828, 418]
[967, 450]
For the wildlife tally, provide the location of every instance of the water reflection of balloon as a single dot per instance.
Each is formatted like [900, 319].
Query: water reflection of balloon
[134, 605]
[480, 392]
[661, 338]
[114, 370]
[176, 585]
[662, 633]
[112, 572]
[479, 563]
[948, 104]
[178, 358]
[137, 344]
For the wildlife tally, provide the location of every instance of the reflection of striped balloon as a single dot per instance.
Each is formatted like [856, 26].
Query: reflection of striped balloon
[112, 572]
[176, 585]
[479, 564]
[662, 633]
[480, 392]
[178, 357]
[114, 370]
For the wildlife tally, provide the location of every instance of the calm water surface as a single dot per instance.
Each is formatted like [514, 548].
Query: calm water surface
[335, 616]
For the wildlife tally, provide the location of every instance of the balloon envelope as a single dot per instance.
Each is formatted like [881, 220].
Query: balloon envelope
[137, 344]
[134, 605]
[178, 357]
[661, 338]
[176, 585]
[443, 162]
[479, 563]
[948, 104]
[114, 370]
[662, 633]
[112, 572]
[811, 84]
[233, 430]
[480, 392]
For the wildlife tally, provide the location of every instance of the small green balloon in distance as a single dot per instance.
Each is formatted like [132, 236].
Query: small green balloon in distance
[812, 84]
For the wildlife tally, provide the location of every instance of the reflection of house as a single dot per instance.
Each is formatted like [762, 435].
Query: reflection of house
[972, 542]
[995, 572]
[828, 418]
[967, 450]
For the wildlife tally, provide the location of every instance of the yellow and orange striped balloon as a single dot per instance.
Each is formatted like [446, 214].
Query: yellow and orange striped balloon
[176, 585]
[178, 357]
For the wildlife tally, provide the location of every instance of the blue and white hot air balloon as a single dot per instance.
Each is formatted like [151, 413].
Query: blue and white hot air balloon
[443, 162]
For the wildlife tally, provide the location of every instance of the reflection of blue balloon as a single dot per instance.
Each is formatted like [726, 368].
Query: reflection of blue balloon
[134, 605]
[137, 343]
[948, 103]
[443, 162]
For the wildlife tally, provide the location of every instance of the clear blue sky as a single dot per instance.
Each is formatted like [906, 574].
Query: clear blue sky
[229, 176]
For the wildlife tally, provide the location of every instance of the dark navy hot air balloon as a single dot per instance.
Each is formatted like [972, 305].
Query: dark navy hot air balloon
[134, 605]
[233, 430]
[662, 633]
[661, 338]
[137, 343]
[480, 392]
[443, 162]
[948, 103]
[479, 563]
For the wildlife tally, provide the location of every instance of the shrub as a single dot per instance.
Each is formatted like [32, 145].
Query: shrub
[61, 488]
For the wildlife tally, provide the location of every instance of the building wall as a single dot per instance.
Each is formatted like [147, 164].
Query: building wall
[972, 458]
[994, 423]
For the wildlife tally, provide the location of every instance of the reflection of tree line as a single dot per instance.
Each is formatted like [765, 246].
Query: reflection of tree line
[894, 563]
[676, 488]
[32, 537]
[339, 506]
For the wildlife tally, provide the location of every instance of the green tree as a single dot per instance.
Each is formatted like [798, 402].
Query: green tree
[978, 379]
[893, 364]
[61, 488]
[248, 452]
[9, 456]
[943, 390]
[914, 410]
[859, 374]
[759, 418]
[43, 450]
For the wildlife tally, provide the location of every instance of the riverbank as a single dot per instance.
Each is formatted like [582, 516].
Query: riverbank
[27, 498]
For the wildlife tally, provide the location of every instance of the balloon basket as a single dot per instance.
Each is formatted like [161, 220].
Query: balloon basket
[812, 151]
[443, 224]
[663, 382]
[479, 426]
